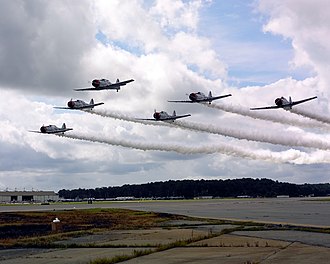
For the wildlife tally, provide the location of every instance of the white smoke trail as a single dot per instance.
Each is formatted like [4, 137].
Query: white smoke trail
[314, 116]
[290, 156]
[106, 113]
[263, 116]
[279, 139]
[291, 141]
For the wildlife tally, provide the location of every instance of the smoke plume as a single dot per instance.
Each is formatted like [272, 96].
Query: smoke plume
[289, 156]
[279, 139]
[119, 116]
[286, 119]
[314, 116]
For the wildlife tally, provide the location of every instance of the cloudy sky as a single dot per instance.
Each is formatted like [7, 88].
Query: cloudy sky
[255, 50]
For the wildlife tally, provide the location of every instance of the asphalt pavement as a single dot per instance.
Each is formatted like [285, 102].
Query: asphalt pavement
[295, 211]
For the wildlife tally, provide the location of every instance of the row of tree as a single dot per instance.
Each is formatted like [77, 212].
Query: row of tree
[199, 188]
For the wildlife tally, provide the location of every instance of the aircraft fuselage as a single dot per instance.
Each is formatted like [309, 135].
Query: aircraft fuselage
[196, 96]
[98, 83]
[284, 103]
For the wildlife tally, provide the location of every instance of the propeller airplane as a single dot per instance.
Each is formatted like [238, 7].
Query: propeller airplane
[164, 116]
[200, 97]
[79, 105]
[104, 84]
[284, 103]
[52, 129]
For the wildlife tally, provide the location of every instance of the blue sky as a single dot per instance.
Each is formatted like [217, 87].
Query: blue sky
[253, 57]
[235, 28]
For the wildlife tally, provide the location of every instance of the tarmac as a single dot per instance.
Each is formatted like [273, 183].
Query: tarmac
[273, 246]
[297, 211]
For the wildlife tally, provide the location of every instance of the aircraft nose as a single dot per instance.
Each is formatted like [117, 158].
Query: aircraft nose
[96, 83]
[156, 116]
[278, 101]
[42, 129]
[71, 104]
[192, 96]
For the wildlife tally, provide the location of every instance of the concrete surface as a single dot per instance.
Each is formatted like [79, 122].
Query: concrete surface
[240, 247]
[298, 211]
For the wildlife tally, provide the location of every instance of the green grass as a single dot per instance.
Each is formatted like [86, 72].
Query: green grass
[325, 199]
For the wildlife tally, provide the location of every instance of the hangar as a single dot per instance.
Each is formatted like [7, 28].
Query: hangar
[28, 196]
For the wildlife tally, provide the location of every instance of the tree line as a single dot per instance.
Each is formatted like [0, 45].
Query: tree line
[245, 187]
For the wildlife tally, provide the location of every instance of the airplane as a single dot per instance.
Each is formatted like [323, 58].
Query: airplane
[79, 105]
[104, 84]
[199, 97]
[163, 116]
[52, 129]
[284, 103]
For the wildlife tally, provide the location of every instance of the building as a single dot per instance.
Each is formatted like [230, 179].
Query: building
[28, 196]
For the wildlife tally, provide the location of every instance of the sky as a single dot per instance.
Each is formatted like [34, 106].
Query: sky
[255, 50]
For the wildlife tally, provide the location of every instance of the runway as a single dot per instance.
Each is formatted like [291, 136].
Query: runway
[273, 245]
[295, 211]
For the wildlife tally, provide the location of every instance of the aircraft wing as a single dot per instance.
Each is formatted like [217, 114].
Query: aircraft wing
[266, 107]
[67, 129]
[213, 98]
[181, 116]
[59, 131]
[115, 85]
[121, 83]
[181, 101]
[92, 105]
[304, 100]
[91, 89]
[172, 118]
[146, 119]
[59, 107]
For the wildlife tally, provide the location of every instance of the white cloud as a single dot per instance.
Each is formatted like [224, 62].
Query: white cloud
[177, 14]
[42, 44]
[306, 23]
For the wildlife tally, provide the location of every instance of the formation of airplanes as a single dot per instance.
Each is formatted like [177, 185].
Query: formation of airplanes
[52, 129]
[105, 84]
[195, 97]
[164, 116]
[79, 105]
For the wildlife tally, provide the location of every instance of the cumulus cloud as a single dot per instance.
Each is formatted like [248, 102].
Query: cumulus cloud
[306, 24]
[42, 44]
[177, 14]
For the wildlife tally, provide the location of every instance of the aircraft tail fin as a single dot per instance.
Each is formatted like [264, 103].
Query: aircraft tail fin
[117, 81]
[92, 101]
[63, 126]
[174, 113]
[290, 100]
[210, 94]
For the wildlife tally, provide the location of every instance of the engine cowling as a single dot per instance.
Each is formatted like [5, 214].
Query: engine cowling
[43, 129]
[96, 83]
[192, 97]
[71, 104]
[157, 115]
[278, 102]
